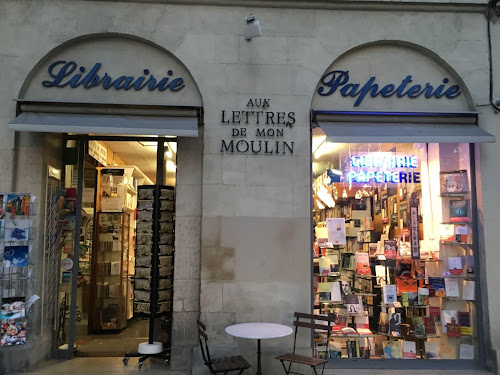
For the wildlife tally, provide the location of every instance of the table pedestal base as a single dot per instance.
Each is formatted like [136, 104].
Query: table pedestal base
[259, 365]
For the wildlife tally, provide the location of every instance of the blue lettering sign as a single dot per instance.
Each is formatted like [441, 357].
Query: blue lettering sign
[339, 80]
[65, 73]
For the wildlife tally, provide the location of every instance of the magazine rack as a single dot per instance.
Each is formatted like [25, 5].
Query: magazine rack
[154, 268]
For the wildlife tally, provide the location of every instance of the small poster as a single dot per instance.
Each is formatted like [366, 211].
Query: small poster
[15, 256]
[385, 208]
[18, 204]
[336, 231]
[414, 230]
[13, 319]
[454, 182]
[390, 249]
[17, 230]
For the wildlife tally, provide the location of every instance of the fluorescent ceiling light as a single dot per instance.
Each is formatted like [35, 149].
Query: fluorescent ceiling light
[171, 167]
[327, 148]
[325, 197]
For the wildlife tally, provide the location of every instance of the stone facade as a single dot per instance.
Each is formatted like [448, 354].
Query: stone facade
[243, 229]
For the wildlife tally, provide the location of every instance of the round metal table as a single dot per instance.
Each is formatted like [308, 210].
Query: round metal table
[259, 331]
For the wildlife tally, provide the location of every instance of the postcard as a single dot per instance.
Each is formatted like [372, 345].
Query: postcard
[17, 230]
[15, 256]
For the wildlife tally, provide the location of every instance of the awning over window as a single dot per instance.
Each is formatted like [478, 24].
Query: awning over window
[344, 127]
[113, 124]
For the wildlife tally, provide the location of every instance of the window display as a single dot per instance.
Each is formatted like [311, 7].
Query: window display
[400, 283]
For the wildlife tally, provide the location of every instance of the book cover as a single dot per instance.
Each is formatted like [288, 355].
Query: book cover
[453, 330]
[438, 284]
[435, 313]
[353, 304]
[459, 210]
[328, 265]
[335, 349]
[389, 293]
[392, 349]
[383, 323]
[380, 274]
[455, 266]
[373, 248]
[451, 287]
[409, 349]
[447, 233]
[346, 288]
[469, 290]
[468, 261]
[395, 324]
[423, 296]
[429, 325]
[466, 351]
[404, 299]
[464, 320]
[390, 249]
[454, 182]
[362, 263]
[325, 292]
[405, 249]
[448, 316]
[431, 350]
[335, 293]
[418, 325]
[412, 298]
[406, 284]
[336, 230]
[403, 215]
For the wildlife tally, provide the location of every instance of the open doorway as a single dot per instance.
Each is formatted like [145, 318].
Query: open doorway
[111, 286]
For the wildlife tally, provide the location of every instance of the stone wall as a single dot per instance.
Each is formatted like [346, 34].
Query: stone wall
[243, 236]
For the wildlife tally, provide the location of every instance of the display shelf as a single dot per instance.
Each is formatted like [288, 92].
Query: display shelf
[421, 337]
[455, 299]
[456, 223]
[455, 244]
[364, 276]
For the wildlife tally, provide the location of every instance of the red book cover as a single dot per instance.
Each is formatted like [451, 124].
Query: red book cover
[435, 313]
[453, 330]
[430, 325]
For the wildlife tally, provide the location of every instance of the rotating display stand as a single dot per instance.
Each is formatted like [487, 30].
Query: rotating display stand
[153, 281]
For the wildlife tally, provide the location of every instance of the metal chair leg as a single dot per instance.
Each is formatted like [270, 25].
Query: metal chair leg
[284, 367]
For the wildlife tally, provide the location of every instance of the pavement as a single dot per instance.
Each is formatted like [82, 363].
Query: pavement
[114, 366]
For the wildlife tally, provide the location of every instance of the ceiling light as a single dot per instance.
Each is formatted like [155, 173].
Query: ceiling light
[325, 197]
[173, 146]
[169, 153]
[327, 148]
[320, 205]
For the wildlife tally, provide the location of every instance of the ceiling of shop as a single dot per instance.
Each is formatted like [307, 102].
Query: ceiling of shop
[140, 154]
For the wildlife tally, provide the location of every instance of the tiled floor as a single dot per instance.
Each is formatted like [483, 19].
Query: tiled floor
[114, 366]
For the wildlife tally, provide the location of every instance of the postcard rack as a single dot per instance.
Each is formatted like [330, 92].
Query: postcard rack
[153, 280]
[17, 234]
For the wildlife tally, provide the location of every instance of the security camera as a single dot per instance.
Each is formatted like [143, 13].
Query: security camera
[251, 28]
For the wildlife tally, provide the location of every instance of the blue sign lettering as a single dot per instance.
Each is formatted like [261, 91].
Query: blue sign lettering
[65, 73]
[339, 80]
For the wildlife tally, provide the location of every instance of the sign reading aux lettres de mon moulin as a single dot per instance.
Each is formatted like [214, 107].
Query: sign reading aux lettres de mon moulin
[258, 121]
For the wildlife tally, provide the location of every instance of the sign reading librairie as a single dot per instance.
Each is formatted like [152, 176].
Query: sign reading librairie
[267, 128]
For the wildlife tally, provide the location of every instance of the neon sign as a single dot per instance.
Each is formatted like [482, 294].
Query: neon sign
[380, 167]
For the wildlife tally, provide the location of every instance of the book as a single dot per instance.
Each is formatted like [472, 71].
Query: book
[354, 304]
[409, 349]
[459, 210]
[362, 263]
[423, 296]
[380, 273]
[392, 349]
[325, 292]
[373, 248]
[389, 294]
[383, 323]
[412, 299]
[453, 330]
[391, 249]
[346, 288]
[321, 351]
[464, 320]
[466, 351]
[364, 331]
[469, 290]
[361, 321]
[429, 325]
[335, 293]
[448, 316]
[454, 182]
[447, 233]
[438, 284]
[468, 261]
[404, 299]
[431, 350]
[395, 324]
[418, 325]
[435, 313]
[328, 265]
[349, 331]
[455, 266]
[335, 349]
[451, 286]
[405, 249]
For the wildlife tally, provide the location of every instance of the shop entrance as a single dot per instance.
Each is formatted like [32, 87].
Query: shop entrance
[102, 232]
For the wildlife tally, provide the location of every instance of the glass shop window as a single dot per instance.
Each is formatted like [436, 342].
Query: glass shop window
[393, 252]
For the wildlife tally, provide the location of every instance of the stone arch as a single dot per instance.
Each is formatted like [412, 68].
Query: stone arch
[119, 54]
[390, 61]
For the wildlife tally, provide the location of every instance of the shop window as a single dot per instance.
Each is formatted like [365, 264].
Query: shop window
[394, 250]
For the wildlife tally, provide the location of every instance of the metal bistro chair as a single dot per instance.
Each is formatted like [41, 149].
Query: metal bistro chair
[300, 359]
[223, 364]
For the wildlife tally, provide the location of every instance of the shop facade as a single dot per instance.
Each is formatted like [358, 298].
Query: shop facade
[244, 222]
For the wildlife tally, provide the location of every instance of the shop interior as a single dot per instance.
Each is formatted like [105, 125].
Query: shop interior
[114, 274]
[394, 250]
